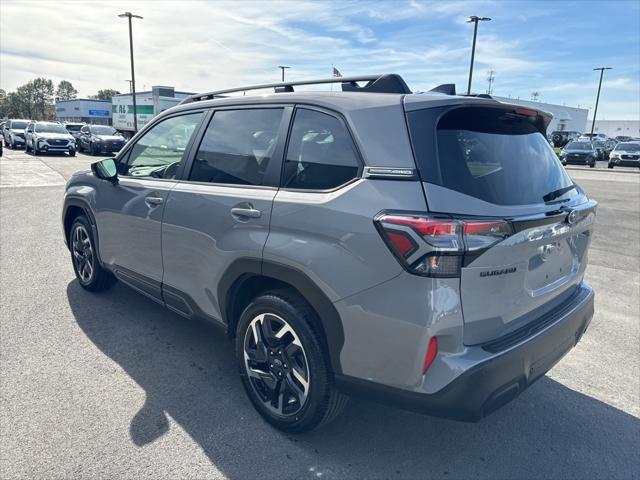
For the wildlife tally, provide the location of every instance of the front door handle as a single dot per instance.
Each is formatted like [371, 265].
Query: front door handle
[153, 201]
[246, 212]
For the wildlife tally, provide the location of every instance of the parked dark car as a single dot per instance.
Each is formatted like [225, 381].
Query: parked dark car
[623, 138]
[13, 133]
[560, 138]
[74, 129]
[580, 153]
[96, 139]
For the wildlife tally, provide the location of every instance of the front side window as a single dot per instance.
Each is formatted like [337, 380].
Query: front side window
[159, 151]
[237, 146]
[321, 154]
[19, 125]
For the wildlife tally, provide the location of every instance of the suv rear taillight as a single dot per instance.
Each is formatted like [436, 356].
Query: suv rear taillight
[435, 246]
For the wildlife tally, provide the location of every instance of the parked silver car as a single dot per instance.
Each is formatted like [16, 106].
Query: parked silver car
[625, 154]
[426, 250]
[13, 133]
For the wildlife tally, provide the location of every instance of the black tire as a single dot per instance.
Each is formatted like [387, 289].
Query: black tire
[72, 153]
[98, 279]
[323, 402]
[610, 165]
[592, 165]
[92, 150]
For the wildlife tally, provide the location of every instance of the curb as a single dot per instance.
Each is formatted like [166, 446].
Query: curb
[609, 170]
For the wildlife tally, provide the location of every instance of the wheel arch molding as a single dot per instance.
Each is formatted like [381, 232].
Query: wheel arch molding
[74, 206]
[247, 278]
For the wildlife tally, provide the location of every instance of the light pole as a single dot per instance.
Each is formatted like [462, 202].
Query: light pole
[283, 68]
[473, 19]
[130, 15]
[595, 110]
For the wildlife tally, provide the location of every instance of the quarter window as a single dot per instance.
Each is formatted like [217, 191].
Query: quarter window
[159, 151]
[321, 154]
[237, 146]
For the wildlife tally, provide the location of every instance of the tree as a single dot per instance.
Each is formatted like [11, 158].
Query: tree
[66, 91]
[42, 98]
[105, 94]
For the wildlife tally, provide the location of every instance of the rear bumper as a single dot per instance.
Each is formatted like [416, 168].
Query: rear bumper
[492, 383]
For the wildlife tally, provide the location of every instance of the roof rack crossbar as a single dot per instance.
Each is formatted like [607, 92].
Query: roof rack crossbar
[349, 84]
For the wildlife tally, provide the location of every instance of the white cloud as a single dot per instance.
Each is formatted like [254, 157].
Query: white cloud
[204, 45]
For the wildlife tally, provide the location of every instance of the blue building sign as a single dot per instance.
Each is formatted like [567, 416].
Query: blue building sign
[99, 113]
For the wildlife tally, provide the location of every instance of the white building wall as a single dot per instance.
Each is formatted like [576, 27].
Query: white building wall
[564, 118]
[613, 128]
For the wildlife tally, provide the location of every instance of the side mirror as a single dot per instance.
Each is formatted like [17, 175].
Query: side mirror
[105, 169]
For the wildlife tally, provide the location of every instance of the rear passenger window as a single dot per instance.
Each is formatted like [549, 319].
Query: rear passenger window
[237, 146]
[321, 154]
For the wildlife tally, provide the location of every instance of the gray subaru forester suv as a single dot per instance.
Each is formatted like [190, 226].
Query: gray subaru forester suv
[424, 250]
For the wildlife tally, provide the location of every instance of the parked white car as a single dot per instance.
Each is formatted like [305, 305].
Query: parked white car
[42, 137]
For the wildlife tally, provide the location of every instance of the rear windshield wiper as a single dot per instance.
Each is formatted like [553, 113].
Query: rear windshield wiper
[558, 193]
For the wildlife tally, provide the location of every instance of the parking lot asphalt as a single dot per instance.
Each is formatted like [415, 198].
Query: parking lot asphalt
[113, 386]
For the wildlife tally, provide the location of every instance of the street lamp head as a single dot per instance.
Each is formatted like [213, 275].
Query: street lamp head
[129, 15]
[283, 66]
[604, 68]
[475, 18]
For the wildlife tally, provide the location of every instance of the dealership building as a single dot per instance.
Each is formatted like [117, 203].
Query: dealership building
[615, 128]
[564, 118]
[97, 112]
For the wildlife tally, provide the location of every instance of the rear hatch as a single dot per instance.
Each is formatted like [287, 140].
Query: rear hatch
[491, 161]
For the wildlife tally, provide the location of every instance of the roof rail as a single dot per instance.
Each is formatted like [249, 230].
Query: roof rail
[385, 83]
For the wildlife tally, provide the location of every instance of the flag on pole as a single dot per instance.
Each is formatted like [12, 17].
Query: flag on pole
[336, 72]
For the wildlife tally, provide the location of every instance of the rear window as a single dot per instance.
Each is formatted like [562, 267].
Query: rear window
[488, 153]
[73, 128]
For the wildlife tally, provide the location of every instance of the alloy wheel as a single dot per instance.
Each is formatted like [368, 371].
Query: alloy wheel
[276, 364]
[83, 258]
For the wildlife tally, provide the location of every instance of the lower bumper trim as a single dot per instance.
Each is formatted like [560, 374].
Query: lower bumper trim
[493, 383]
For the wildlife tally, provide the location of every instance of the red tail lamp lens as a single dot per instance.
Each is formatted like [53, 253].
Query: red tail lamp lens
[432, 351]
[526, 112]
[401, 243]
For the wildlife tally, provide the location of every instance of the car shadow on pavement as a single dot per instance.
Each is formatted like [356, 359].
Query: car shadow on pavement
[188, 373]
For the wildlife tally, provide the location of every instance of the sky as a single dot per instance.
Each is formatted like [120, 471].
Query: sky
[546, 46]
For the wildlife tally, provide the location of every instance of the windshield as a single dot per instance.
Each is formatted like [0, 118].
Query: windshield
[73, 128]
[104, 131]
[50, 128]
[628, 147]
[19, 125]
[579, 146]
[488, 153]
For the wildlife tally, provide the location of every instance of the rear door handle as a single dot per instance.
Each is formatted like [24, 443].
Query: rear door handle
[246, 212]
[153, 201]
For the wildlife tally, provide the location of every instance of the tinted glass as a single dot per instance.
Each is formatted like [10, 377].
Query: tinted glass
[19, 125]
[100, 130]
[579, 146]
[628, 147]
[237, 146]
[490, 154]
[50, 128]
[158, 153]
[73, 128]
[321, 154]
